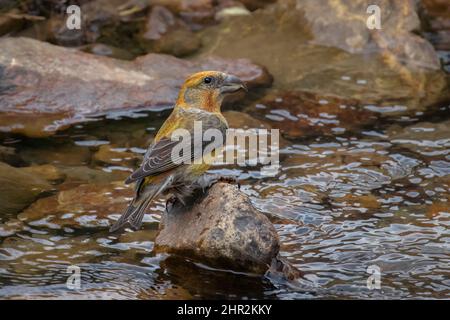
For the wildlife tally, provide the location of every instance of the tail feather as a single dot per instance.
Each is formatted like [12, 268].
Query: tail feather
[132, 216]
[135, 212]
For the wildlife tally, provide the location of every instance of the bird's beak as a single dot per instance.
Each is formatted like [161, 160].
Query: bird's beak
[232, 84]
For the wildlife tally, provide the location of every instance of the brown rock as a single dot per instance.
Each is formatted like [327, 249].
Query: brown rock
[10, 227]
[18, 189]
[44, 88]
[237, 119]
[63, 154]
[312, 46]
[256, 4]
[165, 33]
[222, 228]
[10, 22]
[116, 156]
[47, 172]
[85, 206]
[303, 114]
[107, 51]
[9, 155]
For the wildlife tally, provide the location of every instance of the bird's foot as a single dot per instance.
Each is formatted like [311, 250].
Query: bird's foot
[206, 181]
[171, 202]
[231, 180]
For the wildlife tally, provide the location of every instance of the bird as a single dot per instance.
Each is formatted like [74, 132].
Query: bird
[200, 99]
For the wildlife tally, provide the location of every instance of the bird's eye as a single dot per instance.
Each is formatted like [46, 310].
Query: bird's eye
[207, 80]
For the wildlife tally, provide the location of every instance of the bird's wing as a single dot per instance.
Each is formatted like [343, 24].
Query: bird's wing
[159, 156]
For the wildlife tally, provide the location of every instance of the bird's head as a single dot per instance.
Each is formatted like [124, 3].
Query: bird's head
[206, 90]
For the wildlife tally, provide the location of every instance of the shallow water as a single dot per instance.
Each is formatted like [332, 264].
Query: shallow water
[364, 181]
[340, 204]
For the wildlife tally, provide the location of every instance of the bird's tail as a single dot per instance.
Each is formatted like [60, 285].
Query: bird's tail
[133, 215]
[135, 212]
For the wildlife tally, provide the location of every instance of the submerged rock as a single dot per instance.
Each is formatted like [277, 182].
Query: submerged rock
[18, 189]
[113, 155]
[45, 88]
[301, 114]
[10, 21]
[223, 229]
[312, 46]
[85, 206]
[107, 50]
[436, 14]
[165, 33]
[426, 138]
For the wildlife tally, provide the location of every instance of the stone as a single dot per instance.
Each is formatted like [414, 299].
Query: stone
[435, 16]
[10, 227]
[165, 33]
[76, 175]
[56, 154]
[421, 137]
[9, 155]
[311, 46]
[113, 155]
[256, 4]
[304, 114]
[107, 51]
[10, 22]
[18, 189]
[47, 172]
[45, 88]
[223, 229]
[85, 206]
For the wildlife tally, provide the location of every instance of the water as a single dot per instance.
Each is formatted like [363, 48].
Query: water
[340, 204]
[364, 182]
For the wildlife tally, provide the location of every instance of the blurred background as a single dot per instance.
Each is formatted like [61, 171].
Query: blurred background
[361, 98]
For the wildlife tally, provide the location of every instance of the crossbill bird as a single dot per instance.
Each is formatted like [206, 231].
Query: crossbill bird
[200, 99]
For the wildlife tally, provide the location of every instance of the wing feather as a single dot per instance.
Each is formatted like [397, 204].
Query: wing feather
[159, 159]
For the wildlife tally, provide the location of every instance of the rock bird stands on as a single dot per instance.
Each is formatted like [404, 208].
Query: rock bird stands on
[200, 99]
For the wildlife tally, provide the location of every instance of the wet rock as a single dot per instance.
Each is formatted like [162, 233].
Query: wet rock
[44, 88]
[256, 4]
[139, 236]
[107, 51]
[436, 18]
[62, 154]
[47, 172]
[58, 33]
[422, 137]
[436, 209]
[10, 227]
[18, 189]
[237, 119]
[9, 155]
[281, 268]
[221, 228]
[40, 254]
[102, 21]
[229, 9]
[324, 52]
[302, 114]
[165, 33]
[10, 22]
[368, 201]
[76, 175]
[85, 206]
[116, 156]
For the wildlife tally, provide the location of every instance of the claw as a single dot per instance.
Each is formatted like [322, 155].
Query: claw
[232, 180]
[170, 201]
